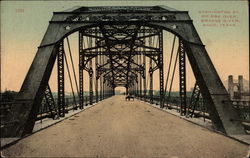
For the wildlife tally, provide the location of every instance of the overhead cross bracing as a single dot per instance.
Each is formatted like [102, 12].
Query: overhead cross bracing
[120, 41]
[121, 44]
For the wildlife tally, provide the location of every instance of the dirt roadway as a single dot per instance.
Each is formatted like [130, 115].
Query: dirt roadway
[116, 128]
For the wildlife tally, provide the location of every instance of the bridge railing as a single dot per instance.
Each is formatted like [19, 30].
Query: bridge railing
[4, 111]
[45, 111]
[70, 104]
[200, 110]
[243, 108]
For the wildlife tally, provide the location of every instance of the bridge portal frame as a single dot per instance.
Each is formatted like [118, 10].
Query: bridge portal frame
[179, 23]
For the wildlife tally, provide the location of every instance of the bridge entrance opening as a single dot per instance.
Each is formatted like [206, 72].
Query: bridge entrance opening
[120, 91]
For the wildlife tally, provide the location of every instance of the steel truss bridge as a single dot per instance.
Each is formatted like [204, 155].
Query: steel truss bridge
[120, 46]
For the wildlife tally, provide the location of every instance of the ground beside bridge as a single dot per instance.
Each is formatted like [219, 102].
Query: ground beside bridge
[119, 128]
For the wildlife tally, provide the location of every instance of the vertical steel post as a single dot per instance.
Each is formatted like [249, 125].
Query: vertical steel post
[182, 80]
[81, 98]
[151, 81]
[96, 81]
[96, 70]
[101, 78]
[144, 79]
[160, 65]
[151, 93]
[104, 80]
[137, 78]
[104, 89]
[90, 44]
[60, 79]
[144, 71]
[140, 79]
[90, 84]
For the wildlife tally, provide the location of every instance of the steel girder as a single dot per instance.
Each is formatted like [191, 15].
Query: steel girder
[157, 17]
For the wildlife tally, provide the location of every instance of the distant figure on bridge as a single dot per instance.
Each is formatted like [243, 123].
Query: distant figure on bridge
[129, 96]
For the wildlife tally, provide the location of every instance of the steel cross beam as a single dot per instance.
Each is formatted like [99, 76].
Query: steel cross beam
[112, 30]
[114, 63]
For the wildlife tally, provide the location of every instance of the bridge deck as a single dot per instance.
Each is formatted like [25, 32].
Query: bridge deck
[115, 128]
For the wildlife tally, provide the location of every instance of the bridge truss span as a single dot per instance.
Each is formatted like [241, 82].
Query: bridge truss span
[115, 44]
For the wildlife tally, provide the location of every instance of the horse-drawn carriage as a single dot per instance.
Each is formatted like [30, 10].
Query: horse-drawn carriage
[128, 97]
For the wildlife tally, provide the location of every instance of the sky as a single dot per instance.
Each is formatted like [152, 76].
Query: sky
[23, 24]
